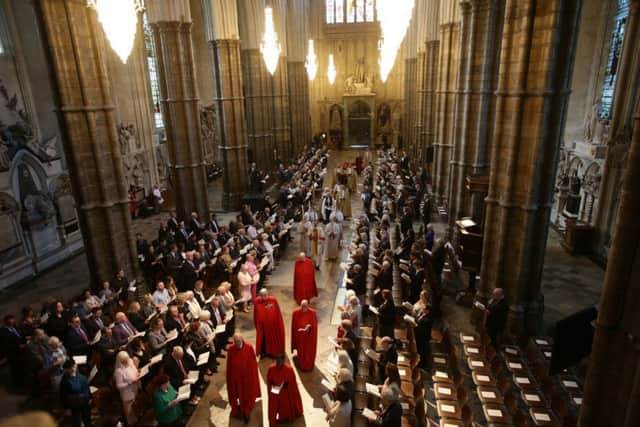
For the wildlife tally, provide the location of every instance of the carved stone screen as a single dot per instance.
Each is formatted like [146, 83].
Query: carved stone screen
[8, 233]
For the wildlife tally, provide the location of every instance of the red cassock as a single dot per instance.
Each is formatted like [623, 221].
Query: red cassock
[242, 379]
[286, 405]
[304, 280]
[269, 326]
[302, 339]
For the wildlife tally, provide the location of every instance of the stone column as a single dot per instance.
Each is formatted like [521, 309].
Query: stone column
[257, 84]
[538, 46]
[280, 87]
[458, 165]
[431, 54]
[170, 22]
[477, 103]
[446, 96]
[223, 36]
[612, 387]
[132, 97]
[86, 112]
[297, 39]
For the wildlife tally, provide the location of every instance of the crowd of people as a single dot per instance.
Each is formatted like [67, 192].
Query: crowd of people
[155, 349]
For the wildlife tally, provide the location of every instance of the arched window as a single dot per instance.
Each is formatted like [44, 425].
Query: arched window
[350, 11]
[613, 60]
[152, 69]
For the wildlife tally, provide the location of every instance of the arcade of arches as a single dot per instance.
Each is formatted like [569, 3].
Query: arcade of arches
[524, 115]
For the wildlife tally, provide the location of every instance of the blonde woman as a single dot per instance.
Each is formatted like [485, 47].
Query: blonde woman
[127, 379]
[344, 361]
[226, 296]
[339, 413]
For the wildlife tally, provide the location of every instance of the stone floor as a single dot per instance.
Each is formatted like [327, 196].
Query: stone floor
[569, 283]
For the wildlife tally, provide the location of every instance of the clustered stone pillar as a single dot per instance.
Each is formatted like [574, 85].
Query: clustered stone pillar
[410, 70]
[258, 85]
[298, 79]
[482, 30]
[280, 87]
[612, 386]
[85, 102]
[458, 164]
[170, 22]
[431, 54]
[538, 45]
[224, 42]
[446, 97]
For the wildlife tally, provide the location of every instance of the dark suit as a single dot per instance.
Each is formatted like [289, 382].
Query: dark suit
[496, 319]
[120, 333]
[391, 416]
[220, 339]
[387, 319]
[170, 324]
[76, 342]
[423, 338]
[12, 342]
[189, 276]
[172, 369]
[92, 325]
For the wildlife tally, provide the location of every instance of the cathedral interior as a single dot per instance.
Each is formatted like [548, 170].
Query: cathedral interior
[524, 116]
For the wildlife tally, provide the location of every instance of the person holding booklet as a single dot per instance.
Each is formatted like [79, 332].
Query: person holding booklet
[304, 335]
[243, 386]
[339, 410]
[166, 407]
[267, 319]
[127, 380]
[285, 403]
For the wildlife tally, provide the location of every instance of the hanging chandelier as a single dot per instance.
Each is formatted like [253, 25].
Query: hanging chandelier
[269, 46]
[119, 19]
[312, 62]
[331, 70]
[395, 16]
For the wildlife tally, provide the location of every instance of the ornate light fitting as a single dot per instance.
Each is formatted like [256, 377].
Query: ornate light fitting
[119, 19]
[331, 70]
[270, 47]
[395, 16]
[312, 62]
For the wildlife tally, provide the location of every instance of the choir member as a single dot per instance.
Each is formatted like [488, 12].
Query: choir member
[243, 386]
[285, 403]
[304, 335]
[269, 325]
[304, 279]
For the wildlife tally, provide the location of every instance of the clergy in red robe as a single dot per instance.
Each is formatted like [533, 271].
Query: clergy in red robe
[242, 377]
[304, 335]
[269, 325]
[285, 403]
[304, 279]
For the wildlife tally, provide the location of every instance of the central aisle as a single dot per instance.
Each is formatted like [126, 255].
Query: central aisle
[214, 406]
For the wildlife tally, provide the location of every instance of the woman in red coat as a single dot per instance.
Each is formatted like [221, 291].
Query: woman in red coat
[304, 335]
[242, 377]
[285, 403]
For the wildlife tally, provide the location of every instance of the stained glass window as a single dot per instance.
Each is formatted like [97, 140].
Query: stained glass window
[152, 69]
[359, 10]
[350, 11]
[615, 52]
[369, 11]
[331, 11]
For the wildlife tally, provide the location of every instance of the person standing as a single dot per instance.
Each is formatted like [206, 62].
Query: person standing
[497, 311]
[316, 236]
[127, 378]
[333, 233]
[75, 395]
[166, 409]
[304, 335]
[269, 325]
[339, 413]
[304, 279]
[285, 403]
[243, 386]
